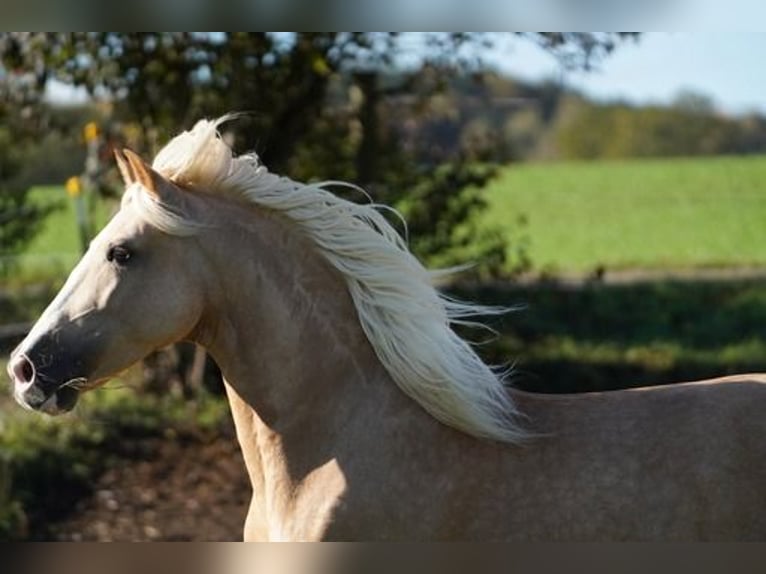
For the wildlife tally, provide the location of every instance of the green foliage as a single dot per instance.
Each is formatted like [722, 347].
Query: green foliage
[37, 144]
[687, 128]
[12, 518]
[163, 81]
[55, 248]
[638, 213]
[51, 462]
[19, 218]
[598, 336]
[443, 224]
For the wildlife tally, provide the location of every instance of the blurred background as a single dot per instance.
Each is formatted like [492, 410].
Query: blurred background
[614, 184]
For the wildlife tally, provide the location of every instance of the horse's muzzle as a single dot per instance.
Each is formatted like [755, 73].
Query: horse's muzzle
[38, 390]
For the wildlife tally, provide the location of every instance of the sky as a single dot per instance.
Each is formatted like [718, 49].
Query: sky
[728, 66]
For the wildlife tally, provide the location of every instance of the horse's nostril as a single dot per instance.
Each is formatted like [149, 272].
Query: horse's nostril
[23, 370]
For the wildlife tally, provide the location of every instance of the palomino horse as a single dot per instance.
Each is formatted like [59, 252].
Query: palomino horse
[360, 413]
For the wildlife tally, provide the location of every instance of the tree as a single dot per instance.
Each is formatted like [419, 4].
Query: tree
[690, 126]
[304, 120]
[163, 81]
[166, 80]
[19, 218]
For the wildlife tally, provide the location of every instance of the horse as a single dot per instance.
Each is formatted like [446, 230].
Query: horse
[360, 413]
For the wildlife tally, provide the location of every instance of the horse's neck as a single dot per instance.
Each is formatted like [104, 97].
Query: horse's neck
[280, 322]
[301, 375]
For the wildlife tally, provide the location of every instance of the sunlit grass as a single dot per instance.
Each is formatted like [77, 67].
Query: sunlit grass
[638, 213]
[55, 249]
[580, 215]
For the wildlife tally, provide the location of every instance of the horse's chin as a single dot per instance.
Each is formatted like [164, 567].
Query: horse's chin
[60, 402]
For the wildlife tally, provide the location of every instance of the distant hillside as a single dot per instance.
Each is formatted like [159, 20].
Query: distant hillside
[491, 117]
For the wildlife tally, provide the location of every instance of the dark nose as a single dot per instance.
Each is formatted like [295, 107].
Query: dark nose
[22, 370]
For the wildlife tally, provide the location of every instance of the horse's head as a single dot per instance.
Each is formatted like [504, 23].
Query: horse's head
[133, 292]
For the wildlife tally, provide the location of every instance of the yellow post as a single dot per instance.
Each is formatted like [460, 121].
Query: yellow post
[90, 132]
[80, 187]
[73, 187]
[74, 190]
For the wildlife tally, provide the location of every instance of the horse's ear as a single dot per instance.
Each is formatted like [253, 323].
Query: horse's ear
[126, 171]
[136, 170]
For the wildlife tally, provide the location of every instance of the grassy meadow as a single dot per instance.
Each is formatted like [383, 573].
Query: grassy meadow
[579, 216]
[56, 248]
[656, 213]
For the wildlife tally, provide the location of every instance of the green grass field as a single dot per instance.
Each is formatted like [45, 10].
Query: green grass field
[639, 213]
[56, 248]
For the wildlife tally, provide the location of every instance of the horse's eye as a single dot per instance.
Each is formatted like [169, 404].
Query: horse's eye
[118, 254]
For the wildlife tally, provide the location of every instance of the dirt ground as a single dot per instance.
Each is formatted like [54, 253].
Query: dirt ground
[186, 489]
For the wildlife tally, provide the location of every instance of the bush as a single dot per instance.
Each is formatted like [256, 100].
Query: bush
[443, 224]
[47, 464]
[19, 218]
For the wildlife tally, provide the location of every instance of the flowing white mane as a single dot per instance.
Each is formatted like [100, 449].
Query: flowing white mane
[407, 321]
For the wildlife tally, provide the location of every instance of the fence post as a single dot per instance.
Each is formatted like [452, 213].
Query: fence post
[77, 186]
[74, 189]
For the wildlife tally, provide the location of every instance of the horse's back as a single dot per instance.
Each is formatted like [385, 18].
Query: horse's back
[677, 462]
[684, 461]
